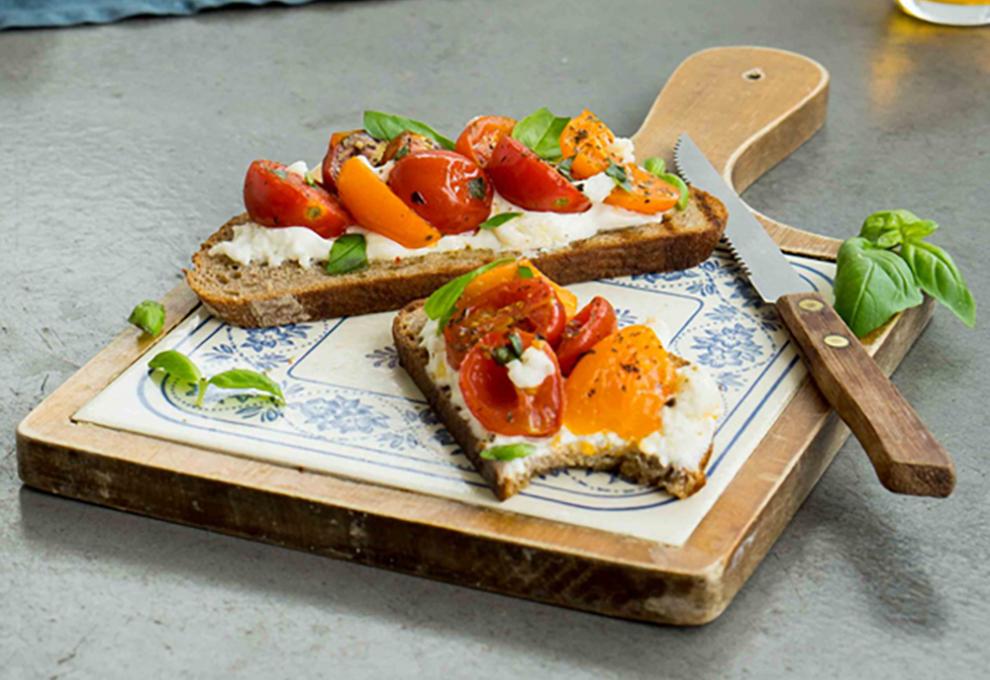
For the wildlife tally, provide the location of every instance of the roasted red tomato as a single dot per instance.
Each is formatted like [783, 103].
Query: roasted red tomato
[529, 305]
[593, 323]
[344, 146]
[482, 135]
[445, 188]
[275, 197]
[494, 399]
[522, 178]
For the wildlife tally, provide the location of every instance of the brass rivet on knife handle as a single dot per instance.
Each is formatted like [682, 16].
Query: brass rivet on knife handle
[905, 455]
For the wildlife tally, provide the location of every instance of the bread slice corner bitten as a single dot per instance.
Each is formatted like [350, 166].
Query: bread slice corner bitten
[506, 480]
[259, 295]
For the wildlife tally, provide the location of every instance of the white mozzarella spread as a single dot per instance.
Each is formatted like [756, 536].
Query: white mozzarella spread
[530, 233]
[688, 420]
[531, 369]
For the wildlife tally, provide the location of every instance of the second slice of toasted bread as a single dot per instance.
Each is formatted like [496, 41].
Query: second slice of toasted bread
[260, 295]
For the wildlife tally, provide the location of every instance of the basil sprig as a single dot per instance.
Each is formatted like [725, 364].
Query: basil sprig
[508, 451]
[440, 305]
[387, 126]
[541, 131]
[498, 220]
[348, 253]
[184, 370]
[884, 269]
[149, 316]
[656, 166]
[619, 176]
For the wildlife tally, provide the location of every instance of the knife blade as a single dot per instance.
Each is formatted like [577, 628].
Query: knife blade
[905, 455]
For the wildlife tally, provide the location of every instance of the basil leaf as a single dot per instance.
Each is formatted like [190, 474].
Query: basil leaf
[919, 230]
[477, 188]
[387, 126]
[347, 254]
[502, 355]
[655, 165]
[440, 305]
[658, 167]
[507, 451]
[871, 285]
[618, 175]
[541, 131]
[498, 220]
[939, 276]
[887, 227]
[180, 367]
[524, 272]
[564, 168]
[149, 316]
[515, 343]
[243, 379]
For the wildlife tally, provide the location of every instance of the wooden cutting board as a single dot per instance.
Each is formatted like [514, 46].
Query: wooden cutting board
[748, 108]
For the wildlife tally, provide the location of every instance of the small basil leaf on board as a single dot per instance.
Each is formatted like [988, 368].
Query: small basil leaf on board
[871, 285]
[508, 451]
[658, 167]
[149, 316]
[498, 220]
[440, 305]
[180, 368]
[243, 379]
[540, 131]
[939, 276]
[387, 126]
[619, 176]
[347, 254]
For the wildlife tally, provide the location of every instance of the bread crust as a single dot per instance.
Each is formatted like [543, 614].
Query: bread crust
[628, 462]
[259, 295]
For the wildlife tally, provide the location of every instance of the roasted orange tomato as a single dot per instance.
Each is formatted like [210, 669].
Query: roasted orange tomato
[647, 193]
[481, 135]
[588, 141]
[516, 270]
[494, 399]
[446, 189]
[621, 385]
[592, 324]
[275, 197]
[529, 305]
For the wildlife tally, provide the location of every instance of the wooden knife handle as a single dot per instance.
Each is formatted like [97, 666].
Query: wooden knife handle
[904, 453]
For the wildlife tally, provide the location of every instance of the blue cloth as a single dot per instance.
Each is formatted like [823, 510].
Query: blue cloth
[36, 13]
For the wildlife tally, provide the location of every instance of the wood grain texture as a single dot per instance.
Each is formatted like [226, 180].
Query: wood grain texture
[905, 455]
[482, 547]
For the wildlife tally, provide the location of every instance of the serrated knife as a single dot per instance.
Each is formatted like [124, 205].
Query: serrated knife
[905, 455]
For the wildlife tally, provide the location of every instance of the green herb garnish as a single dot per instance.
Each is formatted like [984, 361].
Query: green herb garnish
[502, 355]
[388, 126]
[618, 175]
[498, 220]
[181, 368]
[884, 269]
[477, 188]
[347, 254]
[524, 272]
[658, 167]
[243, 379]
[440, 305]
[507, 451]
[401, 152]
[564, 168]
[149, 316]
[515, 342]
[541, 131]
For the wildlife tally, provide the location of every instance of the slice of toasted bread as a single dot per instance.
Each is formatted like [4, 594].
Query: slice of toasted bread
[260, 295]
[508, 477]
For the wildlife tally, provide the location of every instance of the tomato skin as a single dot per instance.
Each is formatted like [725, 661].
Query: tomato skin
[481, 135]
[593, 323]
[443, 187]
[277, 198]
[344, 146]
[498, 404]
[524, 179]
[528, 305]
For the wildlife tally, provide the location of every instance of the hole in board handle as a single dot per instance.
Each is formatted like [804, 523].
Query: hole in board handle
[754, 74]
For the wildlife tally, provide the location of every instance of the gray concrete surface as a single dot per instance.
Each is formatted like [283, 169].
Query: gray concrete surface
[123, 145]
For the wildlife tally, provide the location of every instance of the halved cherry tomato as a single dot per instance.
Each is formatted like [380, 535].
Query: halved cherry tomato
[508, 272]
[529, 305]
[481, 135]
[621, 385]
[648, 194]
[588, 141]
[522, 178]
[498, 404]
[445, 188]
[346, 145]
[377, 209]
[406, 143]
[275, 197]
[591, 325]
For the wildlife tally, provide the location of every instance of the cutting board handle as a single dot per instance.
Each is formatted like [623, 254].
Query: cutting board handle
[747, 108]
